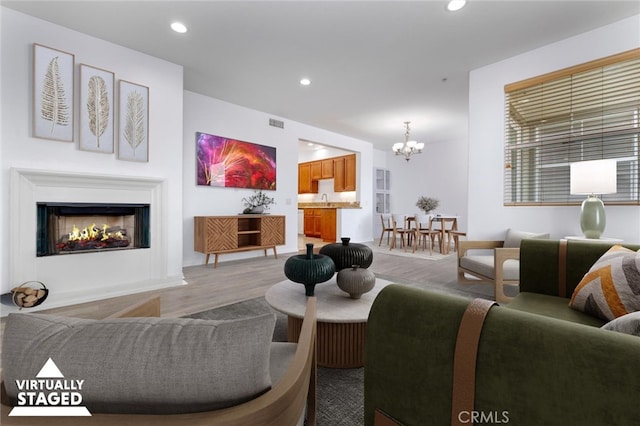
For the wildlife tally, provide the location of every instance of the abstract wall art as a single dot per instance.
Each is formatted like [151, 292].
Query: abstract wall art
[52, 93]
[96, 109]
[232, 163]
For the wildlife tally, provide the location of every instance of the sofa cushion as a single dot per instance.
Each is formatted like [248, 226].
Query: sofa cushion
[553, 307]
[282, 354]
[144, 365]
[611, 288]
[483, 265]
[628, 324]
[514, 237]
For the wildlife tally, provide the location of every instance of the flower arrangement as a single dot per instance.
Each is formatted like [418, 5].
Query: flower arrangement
[427, 204]
[257, 203]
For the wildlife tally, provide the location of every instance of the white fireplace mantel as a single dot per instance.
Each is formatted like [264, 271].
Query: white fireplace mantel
[81, 277]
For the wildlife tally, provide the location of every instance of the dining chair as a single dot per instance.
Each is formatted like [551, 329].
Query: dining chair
[456, 238]
[445, 224]
[425, 232]
[400, 228]
[387, 226]
[451, 227]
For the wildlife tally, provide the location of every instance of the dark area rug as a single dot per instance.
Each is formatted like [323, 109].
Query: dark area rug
[340, 391]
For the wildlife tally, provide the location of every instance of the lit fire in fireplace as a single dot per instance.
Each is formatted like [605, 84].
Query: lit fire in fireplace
[93, 238]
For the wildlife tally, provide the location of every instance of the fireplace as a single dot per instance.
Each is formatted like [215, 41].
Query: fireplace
[79, 278]
[71, 228]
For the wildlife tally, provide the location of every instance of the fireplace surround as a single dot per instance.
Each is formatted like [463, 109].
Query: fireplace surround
[96, 274]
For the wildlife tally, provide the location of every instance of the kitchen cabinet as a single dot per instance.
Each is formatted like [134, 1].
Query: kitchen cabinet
[350, 172]
[344, 173]
[313, 222]
[320, 223]
[338, 174]
[316, 170]
[341, 169]
[327, 168]
[305, 184]
[328, 225]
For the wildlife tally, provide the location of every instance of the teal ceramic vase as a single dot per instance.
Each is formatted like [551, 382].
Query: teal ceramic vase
[309, 269]
[346, 254]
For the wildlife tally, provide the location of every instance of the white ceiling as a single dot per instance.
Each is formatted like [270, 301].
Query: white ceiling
[373, 64]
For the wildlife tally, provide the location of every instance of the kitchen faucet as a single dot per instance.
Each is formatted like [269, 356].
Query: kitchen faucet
[325, 198]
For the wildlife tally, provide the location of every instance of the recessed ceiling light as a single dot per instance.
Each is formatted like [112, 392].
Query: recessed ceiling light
[178, 27]
[454, 5]
[305, 81]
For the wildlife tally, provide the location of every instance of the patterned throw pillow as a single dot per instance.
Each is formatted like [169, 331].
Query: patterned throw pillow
[628, 324]
[611, 288]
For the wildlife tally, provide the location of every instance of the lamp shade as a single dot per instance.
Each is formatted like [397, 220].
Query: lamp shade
[593, 177]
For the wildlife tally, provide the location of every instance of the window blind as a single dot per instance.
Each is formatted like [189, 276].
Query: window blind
[587, 112]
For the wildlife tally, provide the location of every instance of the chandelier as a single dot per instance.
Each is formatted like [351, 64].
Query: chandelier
[408, 148]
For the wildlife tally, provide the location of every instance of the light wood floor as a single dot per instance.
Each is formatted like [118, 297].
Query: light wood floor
[235, 281]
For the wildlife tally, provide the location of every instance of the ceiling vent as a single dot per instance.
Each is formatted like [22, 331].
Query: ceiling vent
[276, 123]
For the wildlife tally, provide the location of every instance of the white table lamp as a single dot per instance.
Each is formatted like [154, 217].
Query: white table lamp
[591, 178]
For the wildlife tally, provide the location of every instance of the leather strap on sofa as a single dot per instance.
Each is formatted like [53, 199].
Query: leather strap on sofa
[464, 361]
[380, 418]
[562, 268]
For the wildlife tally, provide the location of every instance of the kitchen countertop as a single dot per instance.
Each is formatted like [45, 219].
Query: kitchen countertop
[330, 205]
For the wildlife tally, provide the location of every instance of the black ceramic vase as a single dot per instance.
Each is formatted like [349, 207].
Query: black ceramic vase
[346, 254]
[309, 269]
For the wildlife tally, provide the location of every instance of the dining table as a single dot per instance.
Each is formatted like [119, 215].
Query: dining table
[443, 220]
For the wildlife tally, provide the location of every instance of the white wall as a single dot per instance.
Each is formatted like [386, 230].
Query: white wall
[379, 159]
[20, 150]
[488, 218]
[208, 115]
[321, 153]
[439, 172]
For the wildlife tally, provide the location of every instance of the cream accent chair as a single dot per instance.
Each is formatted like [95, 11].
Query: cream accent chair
[496, 262]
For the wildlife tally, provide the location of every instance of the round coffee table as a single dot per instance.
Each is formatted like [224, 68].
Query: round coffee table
[342, 321]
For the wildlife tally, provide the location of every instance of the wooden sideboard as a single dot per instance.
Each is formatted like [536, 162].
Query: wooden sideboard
[230, 234]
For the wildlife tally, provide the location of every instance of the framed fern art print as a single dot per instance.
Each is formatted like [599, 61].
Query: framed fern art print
[52, 93]
[133, 122]
[96, 109]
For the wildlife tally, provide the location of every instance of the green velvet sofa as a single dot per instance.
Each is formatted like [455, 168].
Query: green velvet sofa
[554, 366]
[550, 271]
